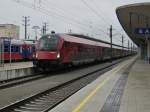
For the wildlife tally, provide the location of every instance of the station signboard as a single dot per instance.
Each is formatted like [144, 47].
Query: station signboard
[142, 31]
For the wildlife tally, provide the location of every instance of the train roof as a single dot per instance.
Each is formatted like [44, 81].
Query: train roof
[93, 39]
[17, 41]
[78, 38]
[102, 43]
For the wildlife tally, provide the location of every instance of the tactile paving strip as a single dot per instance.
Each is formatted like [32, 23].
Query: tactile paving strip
[113, 101]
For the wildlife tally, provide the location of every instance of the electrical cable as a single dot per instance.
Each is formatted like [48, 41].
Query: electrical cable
[93, 10]
[46, 11]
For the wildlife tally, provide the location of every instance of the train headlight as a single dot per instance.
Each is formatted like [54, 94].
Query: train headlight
[58, 55]
[33, 55]
[36, 55]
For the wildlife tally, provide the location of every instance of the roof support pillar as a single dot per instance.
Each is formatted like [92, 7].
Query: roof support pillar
[148, 50]
[143, 52]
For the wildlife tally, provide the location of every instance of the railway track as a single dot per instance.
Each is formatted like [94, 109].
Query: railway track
[20, 80]
[44, 101]
[37, 75]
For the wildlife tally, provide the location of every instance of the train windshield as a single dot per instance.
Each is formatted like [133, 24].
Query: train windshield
[48, 43]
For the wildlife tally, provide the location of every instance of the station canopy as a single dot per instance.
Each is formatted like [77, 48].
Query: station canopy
[135, 20]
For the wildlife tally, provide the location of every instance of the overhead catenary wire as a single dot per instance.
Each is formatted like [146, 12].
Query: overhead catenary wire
[98, 14]
[64, 14]
[101, 11]
[117, 33]
[49, 13]
[94, 11]
[61, 10]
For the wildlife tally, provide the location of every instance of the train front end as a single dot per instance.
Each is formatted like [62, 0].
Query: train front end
[47, 52]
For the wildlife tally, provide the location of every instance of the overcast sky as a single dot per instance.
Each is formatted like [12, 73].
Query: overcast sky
[89, 17]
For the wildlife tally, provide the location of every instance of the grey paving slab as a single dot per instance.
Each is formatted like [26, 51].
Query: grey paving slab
[136, 97]
[17, 65]
[96, 102]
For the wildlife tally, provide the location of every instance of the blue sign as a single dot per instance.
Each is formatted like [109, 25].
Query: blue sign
[142, 31]
[6, 42]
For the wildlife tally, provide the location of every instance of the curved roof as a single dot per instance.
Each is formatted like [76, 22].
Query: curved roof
[87, 40]
[93, 39]
[78, 38]
[134, 16]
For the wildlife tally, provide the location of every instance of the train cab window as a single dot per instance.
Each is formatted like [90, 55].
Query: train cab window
[48, 43]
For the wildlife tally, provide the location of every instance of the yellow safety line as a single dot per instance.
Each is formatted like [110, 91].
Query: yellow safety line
[98, 87]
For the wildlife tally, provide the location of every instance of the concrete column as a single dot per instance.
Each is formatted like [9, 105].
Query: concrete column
[148, 50]
[143, 52]
[139, 52]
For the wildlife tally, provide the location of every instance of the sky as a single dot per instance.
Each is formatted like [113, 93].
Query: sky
[88, 17]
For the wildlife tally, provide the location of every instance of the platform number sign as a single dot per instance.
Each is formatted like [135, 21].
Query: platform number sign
[142, 31]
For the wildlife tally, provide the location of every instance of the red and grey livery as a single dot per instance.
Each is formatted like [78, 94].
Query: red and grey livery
[16, 50]
[63, 49]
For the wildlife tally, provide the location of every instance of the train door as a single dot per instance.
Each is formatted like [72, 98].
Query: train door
[30, 51]
[23, 51]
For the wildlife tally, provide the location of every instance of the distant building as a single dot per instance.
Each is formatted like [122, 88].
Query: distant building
[9, 30]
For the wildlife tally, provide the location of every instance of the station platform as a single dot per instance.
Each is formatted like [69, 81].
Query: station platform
[136, 96]
[125, 88]
[15, 70]
[16, 65]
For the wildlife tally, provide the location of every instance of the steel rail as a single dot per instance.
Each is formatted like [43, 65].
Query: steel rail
[46, 100]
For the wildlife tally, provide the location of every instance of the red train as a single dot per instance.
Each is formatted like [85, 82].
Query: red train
[63, 49]
[16, 50]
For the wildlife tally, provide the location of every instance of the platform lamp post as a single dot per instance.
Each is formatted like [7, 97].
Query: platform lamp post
[26, 21]
[110, 42]
[91, 28]
[70, 31]
[35, 30]
[146, 39]
[44, 28]
[130, 21]
[131, 48]
[122, 45]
